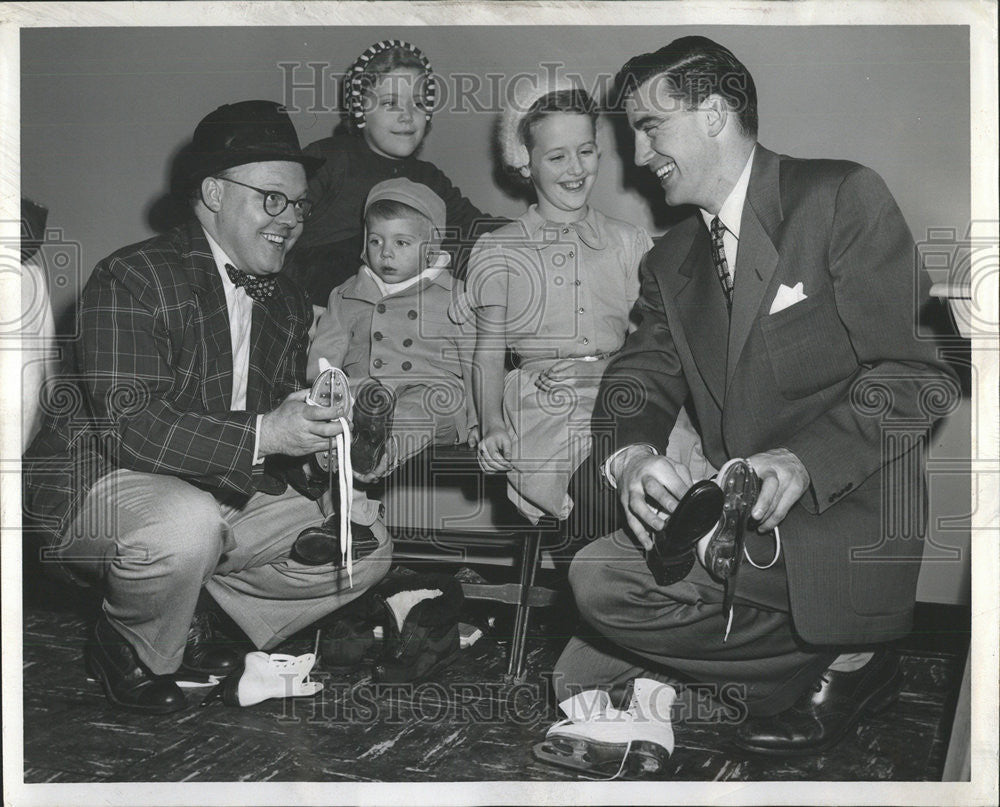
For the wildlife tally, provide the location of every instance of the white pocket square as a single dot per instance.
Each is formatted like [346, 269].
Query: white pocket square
[787, 296]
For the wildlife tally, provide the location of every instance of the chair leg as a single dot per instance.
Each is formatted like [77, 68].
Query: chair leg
[530, 555]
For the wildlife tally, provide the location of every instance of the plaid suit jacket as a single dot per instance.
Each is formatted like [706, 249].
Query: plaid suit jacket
[147, 385]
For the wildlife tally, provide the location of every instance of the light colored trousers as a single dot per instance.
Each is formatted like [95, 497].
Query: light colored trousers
[151, 542]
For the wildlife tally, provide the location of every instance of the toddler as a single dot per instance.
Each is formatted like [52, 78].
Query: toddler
[388, 328]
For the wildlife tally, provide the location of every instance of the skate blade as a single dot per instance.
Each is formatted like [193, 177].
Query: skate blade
[602, 760]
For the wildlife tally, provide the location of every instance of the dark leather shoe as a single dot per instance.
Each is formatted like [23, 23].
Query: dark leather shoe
[347, 636]
[320, 545]
[112, 661]
[208, 651]
[672, 555]
[826, 712]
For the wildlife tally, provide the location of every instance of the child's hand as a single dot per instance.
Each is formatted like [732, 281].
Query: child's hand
[495, 449]
[474, 437]
[557, 374]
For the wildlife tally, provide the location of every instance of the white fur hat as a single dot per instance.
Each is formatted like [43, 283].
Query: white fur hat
[524, 92]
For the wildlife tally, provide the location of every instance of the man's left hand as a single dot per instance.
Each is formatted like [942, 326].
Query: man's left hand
[783, 480]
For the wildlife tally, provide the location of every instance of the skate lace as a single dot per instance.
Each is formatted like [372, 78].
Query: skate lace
[777, 552]
[346, 491]
[628, 749]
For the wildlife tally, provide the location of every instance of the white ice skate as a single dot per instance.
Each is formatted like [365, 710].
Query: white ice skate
[598, 739]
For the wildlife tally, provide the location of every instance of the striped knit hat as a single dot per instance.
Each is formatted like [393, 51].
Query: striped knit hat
[355, 79]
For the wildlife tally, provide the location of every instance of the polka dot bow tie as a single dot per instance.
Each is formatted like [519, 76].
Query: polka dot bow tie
[258, 288]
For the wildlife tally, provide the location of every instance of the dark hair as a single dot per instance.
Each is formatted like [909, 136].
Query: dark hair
[695, 67]
[383, 209]
[574, 102]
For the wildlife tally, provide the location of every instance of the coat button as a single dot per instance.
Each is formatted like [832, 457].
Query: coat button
[406, 365]
[407, 342]
[377, 336]
[572, 253]
[377, 363]
[585, 340]
[565, 230]
[579, 310]
[380, 308]
[576, 282]
[411, 314]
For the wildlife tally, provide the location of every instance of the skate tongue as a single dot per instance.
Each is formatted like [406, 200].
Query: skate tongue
[403, 602]
[590, 716]
[589, 705]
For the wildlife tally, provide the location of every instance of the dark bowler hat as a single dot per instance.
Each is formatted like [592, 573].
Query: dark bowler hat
[241, 133]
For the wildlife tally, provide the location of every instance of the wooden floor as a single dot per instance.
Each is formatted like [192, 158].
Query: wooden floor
[463, 726]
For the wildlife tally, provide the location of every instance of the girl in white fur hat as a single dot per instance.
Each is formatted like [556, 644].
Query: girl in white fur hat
[555, 287]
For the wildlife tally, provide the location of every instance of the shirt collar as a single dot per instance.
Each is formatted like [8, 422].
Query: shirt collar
[590, 228]
[221, 259]
[731, 212]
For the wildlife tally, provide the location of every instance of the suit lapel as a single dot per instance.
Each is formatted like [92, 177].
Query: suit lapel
[702, 311]
[213, 322]
[757, 258]
[271, 333]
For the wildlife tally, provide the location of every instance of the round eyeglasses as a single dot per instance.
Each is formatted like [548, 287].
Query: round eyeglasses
[275, 202]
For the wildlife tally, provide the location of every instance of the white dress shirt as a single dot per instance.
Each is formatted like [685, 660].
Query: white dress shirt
[240, 308]
[731, 214]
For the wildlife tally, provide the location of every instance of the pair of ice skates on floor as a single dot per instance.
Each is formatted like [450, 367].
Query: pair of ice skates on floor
[711, 521]
[406, 627]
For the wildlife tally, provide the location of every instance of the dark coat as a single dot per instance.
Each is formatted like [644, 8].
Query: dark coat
[831, 378]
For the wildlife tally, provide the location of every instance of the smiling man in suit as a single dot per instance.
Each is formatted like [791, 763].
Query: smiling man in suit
[772, 311]
[160, 474]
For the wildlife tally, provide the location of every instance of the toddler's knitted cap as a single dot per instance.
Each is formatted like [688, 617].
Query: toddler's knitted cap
[414, 194]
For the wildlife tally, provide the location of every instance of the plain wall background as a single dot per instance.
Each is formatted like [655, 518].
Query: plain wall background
[103, 111]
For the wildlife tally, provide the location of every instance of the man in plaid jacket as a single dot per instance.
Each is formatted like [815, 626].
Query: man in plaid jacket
[160, 473]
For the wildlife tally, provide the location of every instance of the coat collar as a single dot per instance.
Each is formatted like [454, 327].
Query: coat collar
[758, 257]
[362, 287]
[591, 228]
[698, 300]
[715, 340]
[213, 316]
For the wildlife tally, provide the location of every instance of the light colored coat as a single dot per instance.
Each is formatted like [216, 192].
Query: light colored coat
[405, 340]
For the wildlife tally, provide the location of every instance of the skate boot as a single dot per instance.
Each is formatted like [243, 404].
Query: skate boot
[421, 626]
[372, 424]
[347, 636]
[607, 743]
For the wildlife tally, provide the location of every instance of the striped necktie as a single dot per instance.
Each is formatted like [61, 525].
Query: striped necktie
[721, 264]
